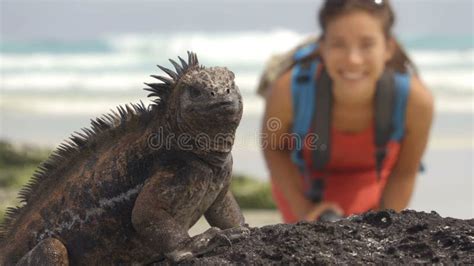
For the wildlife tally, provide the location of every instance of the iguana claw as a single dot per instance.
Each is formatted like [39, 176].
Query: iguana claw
[179, 255]
[236, 233]
[200, 244]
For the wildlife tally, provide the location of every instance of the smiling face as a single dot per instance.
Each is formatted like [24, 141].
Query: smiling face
[355, 51]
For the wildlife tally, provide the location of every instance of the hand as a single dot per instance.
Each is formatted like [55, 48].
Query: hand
[318, 209]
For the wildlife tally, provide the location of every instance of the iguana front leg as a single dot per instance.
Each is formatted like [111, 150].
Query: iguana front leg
[162, 232]
[199, 244]
[50, 251]
[158, 229]
[166, 237]
[225, 213]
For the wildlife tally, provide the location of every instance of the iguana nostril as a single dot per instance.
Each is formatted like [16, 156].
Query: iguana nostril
[228, 91]
[213, 93]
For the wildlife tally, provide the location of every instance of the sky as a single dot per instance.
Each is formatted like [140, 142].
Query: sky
[85, 20]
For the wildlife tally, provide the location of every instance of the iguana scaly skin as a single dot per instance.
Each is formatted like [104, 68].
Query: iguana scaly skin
[128, 189]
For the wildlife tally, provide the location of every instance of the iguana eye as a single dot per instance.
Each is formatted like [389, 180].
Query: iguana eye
[194, 92]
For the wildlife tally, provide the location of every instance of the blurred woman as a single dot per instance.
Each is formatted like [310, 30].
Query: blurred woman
[346, 126]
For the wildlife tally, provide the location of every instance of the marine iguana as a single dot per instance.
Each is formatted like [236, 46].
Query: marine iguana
[128, 189]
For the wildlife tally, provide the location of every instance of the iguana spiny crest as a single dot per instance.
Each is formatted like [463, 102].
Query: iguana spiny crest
[109, 178]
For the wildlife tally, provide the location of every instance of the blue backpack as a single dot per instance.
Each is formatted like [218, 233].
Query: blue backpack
[312, 102]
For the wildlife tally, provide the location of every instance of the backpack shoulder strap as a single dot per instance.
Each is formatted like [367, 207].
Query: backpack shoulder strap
[304, 52]
[402, 85]
[303, 94]
[321, 123]
[384, 107]
[321, 141]
[390, 104]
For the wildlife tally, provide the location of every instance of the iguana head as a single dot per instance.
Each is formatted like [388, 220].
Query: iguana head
[209, 96]
[199, 101]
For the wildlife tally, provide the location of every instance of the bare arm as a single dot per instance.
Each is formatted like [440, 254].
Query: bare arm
[276, 124]
[400, 185]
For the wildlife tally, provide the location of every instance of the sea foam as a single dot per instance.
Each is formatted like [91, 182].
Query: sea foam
[128, 60]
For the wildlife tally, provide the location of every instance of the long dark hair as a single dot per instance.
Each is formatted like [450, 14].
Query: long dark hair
[378, 8]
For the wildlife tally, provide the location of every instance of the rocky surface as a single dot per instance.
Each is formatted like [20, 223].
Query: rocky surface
[383, 237]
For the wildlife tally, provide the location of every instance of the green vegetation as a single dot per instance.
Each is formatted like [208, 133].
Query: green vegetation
[18, 163]
[252, 194]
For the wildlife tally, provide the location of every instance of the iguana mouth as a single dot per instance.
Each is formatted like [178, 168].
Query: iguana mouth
[223, 104]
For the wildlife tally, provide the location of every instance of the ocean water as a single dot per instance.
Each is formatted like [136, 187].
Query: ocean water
[51, 88]
[89, 77]
[89, 74]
